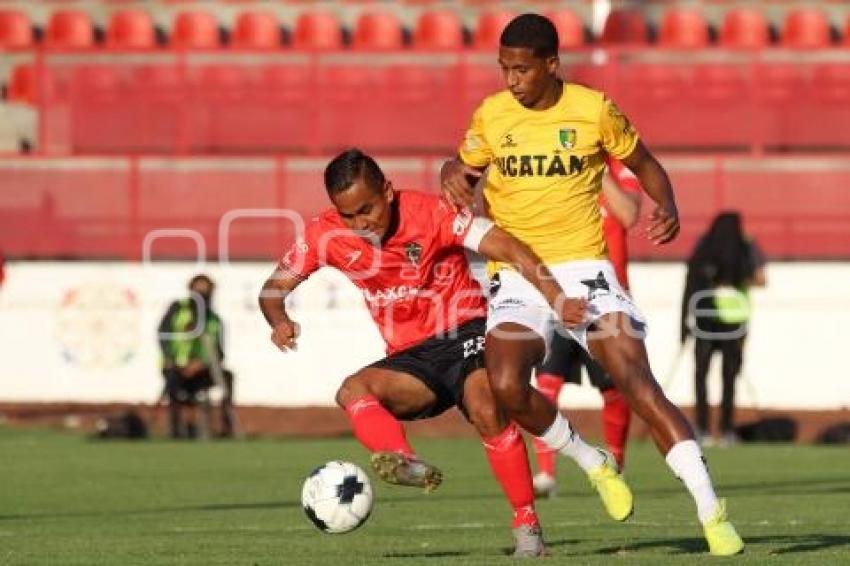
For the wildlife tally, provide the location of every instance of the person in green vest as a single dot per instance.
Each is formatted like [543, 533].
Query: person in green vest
[191, 338]
[716, 311]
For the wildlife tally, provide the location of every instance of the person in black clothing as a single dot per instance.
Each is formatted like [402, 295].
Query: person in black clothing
[191, 338]
[716, 311]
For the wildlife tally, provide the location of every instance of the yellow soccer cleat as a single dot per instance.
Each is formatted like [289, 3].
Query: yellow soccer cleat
[723, 539]
[615, 494]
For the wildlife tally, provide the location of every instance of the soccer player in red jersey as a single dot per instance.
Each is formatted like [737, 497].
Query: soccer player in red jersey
[405, 251]
[620, 206]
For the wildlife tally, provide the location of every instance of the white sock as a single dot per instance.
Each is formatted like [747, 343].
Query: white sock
[686, 461]
[559, 436]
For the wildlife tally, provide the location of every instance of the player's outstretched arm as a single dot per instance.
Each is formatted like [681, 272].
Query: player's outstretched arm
[285, 331]
[498, 245]
[625, 206]
[457, 182]
[664, 220]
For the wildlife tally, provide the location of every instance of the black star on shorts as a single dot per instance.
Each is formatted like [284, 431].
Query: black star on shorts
[595, 285]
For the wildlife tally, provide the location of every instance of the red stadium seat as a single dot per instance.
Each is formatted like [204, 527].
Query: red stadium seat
[744, 28]
[195, 30]
[256, 30]
[377, 30]
[806, 28]
[438, 29]
[15, 30]
[23, 85]
[624, 27]
[570, 28]
[317, 30]
[131, 29]
[489, 30]
[69, 29]
[683, 28]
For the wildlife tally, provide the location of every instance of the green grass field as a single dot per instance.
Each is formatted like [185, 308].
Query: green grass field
[68, 500]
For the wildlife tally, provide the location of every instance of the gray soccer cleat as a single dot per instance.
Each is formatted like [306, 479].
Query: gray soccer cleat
[393, 467]
[529, 542]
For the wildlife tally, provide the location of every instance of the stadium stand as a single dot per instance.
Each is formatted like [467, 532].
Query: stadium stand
[744, 28]
[131, 29]
[70, 29]
[489, 28]
[317, 30]
[256, 30]
[571, 33]
[195, 30]
[15, 30]
[438, 30]
[806, 28]
[683, 28]
[625, 27]
[377, 31]
[23, 85]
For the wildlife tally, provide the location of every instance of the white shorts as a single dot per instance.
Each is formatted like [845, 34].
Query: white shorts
[514, 299]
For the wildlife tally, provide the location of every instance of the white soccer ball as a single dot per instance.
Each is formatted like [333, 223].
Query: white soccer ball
[337, 497]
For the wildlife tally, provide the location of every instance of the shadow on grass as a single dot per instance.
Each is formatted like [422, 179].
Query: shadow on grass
[801, 543]
[835, 484]
[419, 499]
[790, 544]
[154, 510]
[430, 554]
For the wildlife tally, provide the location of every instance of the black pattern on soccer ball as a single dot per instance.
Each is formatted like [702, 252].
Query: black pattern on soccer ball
[348, 489]
[321, 525]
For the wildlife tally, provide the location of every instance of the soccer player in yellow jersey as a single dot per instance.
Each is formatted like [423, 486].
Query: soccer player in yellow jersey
[541, 144]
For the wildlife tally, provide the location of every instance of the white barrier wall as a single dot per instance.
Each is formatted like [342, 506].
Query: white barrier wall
[86, 332]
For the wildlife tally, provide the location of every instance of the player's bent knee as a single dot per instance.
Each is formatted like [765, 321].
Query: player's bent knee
[352, 388]
[510, 392]
[486, 418]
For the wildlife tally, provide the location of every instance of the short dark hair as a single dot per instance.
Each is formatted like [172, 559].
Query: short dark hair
[201, 277]
[349, 166]
[532, 31]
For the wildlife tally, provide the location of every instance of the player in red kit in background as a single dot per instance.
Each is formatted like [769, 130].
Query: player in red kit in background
[405, 251]
[620, 207]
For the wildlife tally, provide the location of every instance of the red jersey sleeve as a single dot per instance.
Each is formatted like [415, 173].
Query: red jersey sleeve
[626, 180]
[302, 258]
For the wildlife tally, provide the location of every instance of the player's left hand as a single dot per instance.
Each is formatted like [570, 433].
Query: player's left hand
[663, 224]
[572, 311]
[285, 335]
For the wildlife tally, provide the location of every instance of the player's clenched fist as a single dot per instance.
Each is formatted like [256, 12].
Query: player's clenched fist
[285, 334]
[572, 311]
[457, 183]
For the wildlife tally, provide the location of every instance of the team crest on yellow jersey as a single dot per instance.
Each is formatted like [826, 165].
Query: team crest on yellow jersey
[567, 136]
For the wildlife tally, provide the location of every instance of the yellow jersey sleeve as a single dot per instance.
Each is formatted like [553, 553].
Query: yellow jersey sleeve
[475, 150]
[617, 135]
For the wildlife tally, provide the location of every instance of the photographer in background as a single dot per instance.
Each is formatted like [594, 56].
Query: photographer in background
[716, 311]
[192, 344]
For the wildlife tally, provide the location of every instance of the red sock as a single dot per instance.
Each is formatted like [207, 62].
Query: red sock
[375, 427]
[509, 461]
[550, 386]
[616, 417]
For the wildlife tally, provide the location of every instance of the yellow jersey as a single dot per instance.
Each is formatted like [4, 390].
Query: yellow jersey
[546, 168]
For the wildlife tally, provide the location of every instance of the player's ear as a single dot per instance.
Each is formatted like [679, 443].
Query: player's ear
[553, 64]
[389, 192]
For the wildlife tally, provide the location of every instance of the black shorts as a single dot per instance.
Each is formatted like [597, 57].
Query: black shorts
[442, 364]
[566, 357]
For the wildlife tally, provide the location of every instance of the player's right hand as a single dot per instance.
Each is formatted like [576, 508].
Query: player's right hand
[455, 185]
[285, 334]
[572, 311]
